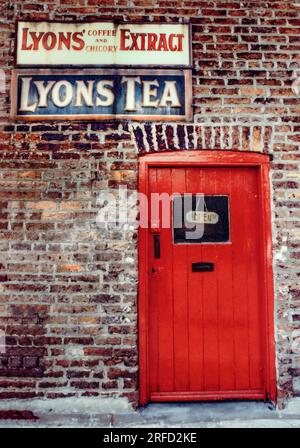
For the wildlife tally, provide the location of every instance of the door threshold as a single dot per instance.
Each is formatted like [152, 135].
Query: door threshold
[208, 396]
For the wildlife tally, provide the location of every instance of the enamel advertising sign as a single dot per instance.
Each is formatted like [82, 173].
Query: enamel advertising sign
[102, 44]
[102, 94]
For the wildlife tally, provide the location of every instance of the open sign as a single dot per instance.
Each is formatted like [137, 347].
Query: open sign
[199, 217]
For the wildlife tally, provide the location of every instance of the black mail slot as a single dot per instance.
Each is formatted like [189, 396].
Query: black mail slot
[202, 267]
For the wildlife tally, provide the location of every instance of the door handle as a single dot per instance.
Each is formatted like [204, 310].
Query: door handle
[156, 245]
[202, 267]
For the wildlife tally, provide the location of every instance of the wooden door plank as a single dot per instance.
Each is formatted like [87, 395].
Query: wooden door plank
[180, 297]
[195, 294]
[165, 296]
[153, 297]
[210, 299]
[253, 245]
[240, 280]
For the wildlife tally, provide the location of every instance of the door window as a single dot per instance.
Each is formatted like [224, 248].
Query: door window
[199, 218]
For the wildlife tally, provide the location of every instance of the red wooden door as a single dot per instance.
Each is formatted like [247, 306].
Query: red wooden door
[206, 329]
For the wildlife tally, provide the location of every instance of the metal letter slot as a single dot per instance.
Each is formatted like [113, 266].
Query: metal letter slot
[156, 245]
[202, 267]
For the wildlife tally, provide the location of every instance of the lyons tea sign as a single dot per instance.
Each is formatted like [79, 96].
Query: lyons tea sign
[102, 94]
[102, 44]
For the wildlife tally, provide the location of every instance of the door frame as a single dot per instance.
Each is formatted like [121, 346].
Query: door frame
[214, 158]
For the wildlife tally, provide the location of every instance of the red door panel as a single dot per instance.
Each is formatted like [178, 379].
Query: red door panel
[206, 328]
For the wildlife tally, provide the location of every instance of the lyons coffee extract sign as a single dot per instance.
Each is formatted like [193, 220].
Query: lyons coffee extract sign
[101, 94]
[100, 44]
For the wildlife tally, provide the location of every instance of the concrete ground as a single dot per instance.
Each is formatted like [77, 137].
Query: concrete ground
[160, 415]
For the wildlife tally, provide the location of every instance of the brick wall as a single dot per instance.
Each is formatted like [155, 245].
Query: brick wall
[68, 288]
